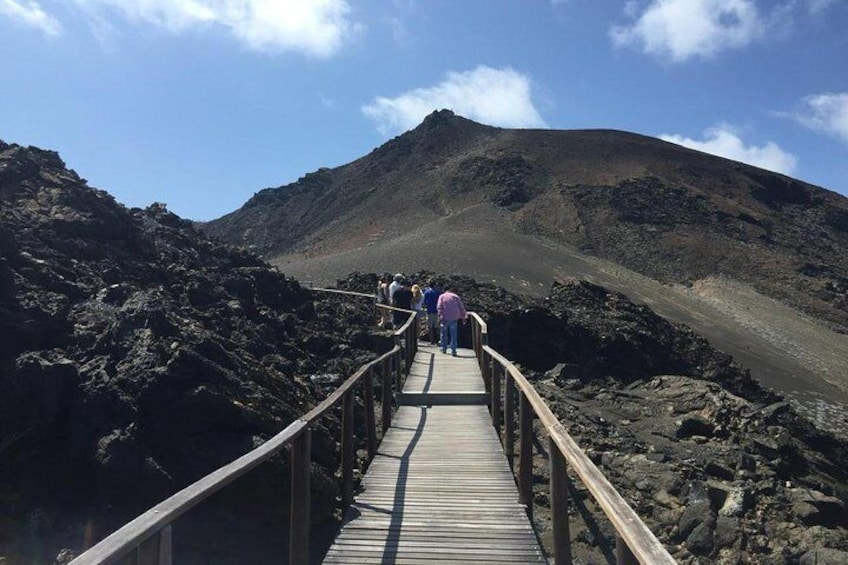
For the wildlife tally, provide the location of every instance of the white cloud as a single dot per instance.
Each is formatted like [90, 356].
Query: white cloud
[499, 97]
[316, 27]
[685, 29]
[827, 113]
[722, 140]
[30, 14]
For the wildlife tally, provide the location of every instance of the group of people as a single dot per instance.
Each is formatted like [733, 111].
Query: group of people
[441, 310]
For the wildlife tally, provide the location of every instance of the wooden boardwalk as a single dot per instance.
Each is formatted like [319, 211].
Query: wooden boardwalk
[439, 488]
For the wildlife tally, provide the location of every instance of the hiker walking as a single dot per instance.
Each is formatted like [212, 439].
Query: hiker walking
[431, 298]
[383, 299]
[451, 311]
[402, 298]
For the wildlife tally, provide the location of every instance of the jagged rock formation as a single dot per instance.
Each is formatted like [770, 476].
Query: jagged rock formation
[136, 356]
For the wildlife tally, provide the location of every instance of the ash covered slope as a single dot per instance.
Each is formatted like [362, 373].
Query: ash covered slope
[671, 213]
[136, 356]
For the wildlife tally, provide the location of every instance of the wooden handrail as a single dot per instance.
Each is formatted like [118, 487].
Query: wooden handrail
[150, 532]
[132, 534]
[638, 541]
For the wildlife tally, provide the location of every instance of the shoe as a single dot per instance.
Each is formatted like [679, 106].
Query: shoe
[453, 353]
[444, 351]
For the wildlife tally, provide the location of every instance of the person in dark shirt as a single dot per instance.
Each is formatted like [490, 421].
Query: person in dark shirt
[402, 298]
[431, 298]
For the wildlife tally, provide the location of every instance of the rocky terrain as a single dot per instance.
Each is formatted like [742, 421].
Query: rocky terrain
[750, 259]
[137, 356]
[721, 469]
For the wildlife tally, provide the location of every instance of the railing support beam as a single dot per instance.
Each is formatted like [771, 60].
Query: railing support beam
[559, 504]
[348, 452]
[370, 425]
[525, 467]
[495, 371]
[509, 416]
[623, 555]
[301, 457]
[386, 373]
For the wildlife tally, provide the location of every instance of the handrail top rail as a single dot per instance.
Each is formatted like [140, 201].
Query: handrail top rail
[126, 538]
[343, 389]
[339, 291]
[361, 295]
[641, 540]
[484, 327]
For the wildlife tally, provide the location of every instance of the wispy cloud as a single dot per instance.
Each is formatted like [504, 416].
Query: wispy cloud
[825, 113]
[499, 97]
[819, 6]
[724, 141]
[317, 28]
[680, 30]
[31, 14]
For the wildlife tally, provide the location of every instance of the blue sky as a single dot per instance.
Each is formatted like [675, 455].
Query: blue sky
[201, 103]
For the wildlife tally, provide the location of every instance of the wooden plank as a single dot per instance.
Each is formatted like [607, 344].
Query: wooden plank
[422, 495]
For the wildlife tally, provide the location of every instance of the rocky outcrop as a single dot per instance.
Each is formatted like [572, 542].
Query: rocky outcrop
[137, 355]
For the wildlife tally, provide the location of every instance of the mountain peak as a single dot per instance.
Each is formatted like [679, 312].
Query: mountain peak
[439, 117]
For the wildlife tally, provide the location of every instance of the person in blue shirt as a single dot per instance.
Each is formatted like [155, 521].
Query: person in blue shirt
[431, 299]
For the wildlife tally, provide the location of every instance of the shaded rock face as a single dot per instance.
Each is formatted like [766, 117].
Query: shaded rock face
[137, 355]
[720, 469]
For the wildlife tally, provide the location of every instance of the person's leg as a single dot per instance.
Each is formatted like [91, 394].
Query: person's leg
[454, 326]
[444, 341]
[433, 328]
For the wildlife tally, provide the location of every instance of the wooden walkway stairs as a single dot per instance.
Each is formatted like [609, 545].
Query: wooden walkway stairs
[440, 488]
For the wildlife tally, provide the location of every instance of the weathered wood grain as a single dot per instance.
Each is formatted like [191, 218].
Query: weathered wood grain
[439, 488]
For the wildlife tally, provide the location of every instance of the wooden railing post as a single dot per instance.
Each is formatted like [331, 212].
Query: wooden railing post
[474, 336]
[386, 373]
[525, 468]
[623, 555]
[166, 545]
[410, 348]
[301, 461]
[509, 416]
[559, 501]
[484, 370]
[148, 552]
[370, 424]
[495, 370]
[399, 371]
[348, 452]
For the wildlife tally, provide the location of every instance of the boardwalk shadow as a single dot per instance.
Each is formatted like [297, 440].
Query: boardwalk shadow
[390, 551]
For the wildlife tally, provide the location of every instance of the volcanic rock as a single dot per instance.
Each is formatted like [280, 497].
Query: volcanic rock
[138, 355]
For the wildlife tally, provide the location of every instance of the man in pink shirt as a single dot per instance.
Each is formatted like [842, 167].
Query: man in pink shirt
[451, 311]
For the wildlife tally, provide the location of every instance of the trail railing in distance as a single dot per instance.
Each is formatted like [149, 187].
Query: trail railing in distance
[635, 543]
[148, 539]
